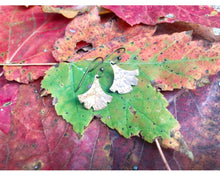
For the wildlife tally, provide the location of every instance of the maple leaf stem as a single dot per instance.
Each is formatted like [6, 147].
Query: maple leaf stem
[28, 64]
[162, 155]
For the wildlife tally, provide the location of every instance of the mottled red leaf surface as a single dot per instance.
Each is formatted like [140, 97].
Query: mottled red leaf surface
[8, 96]
[152, 15]
[170, 61]
[27, 36]
[39, 139]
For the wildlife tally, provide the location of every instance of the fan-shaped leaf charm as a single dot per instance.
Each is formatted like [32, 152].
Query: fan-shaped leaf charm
[95, 97]
[123, 79]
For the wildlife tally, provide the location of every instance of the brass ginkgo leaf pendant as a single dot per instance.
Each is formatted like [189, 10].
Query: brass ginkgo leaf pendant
[123, 79]
[95, 97]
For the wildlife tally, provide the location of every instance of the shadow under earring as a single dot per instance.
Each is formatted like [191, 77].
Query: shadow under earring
[95, 97]
[123, 79]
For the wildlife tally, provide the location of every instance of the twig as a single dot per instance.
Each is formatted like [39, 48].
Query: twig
[28, 64]
[162, 155]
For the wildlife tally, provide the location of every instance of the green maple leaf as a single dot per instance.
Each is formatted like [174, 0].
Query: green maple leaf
[142, 112]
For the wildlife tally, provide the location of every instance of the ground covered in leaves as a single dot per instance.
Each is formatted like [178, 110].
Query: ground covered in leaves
[179, 52]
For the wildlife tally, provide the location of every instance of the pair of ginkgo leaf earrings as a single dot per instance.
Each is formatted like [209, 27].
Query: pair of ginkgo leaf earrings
[123, 80]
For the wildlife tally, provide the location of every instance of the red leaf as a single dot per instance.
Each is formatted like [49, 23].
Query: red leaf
[152, 15]
[39, 139]
[198, 113]
[27, 36]
[104, 38]
[8, 96]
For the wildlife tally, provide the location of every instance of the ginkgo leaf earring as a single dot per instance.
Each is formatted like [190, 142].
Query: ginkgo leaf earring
[95, 97]
[123, 79]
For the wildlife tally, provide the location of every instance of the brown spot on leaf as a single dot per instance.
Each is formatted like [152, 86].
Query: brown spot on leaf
[132, 111]
[204, 80]
[178, 143]
[107, 147]
[29, 76]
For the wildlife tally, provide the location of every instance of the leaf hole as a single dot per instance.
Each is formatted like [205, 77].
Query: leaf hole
[161, 18]
[83, 46]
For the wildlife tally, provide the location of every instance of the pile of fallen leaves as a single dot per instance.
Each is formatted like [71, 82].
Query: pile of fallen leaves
[175, 49]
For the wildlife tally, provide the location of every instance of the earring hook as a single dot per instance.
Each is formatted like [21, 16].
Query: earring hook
[118, 58]
[90, 70]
